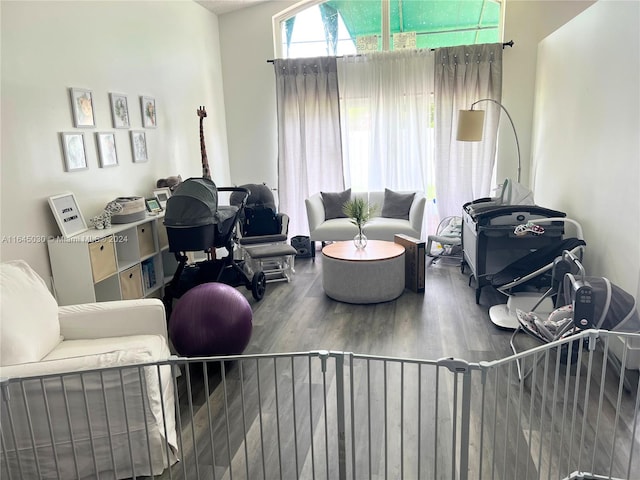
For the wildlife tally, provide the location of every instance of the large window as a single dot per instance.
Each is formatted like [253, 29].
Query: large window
[341, 27]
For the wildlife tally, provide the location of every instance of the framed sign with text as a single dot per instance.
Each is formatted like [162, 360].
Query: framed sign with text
[67, 214]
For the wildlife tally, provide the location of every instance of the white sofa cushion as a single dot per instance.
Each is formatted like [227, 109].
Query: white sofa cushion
[29, 329]
[80, 355]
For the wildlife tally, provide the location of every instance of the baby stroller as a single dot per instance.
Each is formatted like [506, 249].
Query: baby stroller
[195, 222]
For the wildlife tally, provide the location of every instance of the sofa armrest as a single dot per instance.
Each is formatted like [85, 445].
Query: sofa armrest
[416, 212]
[315, 211]
[113, 319]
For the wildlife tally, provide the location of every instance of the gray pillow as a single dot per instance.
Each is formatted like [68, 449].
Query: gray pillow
[396, 205]
[334, 203]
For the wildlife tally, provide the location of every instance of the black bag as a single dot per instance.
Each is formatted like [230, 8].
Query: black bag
[260, 220]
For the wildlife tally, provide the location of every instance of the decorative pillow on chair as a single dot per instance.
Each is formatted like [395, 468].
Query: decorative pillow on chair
[396, 205]
[334, 203]
[29, 329]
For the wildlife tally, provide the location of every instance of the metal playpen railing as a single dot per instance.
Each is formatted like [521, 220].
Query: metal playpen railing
[336, 415]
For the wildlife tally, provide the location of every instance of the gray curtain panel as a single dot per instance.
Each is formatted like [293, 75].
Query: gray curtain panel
[309, 146]
[464, 170]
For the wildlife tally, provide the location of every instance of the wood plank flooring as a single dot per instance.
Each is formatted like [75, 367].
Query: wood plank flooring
[276, 417]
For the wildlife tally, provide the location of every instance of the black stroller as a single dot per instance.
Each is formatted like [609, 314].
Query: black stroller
[195, 222]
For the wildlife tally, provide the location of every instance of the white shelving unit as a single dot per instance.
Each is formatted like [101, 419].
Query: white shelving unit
[123, 262]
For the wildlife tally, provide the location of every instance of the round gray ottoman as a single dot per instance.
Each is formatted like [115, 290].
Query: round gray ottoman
[372, 275]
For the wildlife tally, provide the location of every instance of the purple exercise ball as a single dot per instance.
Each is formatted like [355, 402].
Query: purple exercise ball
[211, 319]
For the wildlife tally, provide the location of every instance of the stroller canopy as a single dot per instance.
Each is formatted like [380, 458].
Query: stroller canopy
[261, 195]
[193, 203]
[614, 309]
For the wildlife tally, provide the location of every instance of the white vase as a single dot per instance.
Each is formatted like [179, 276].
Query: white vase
[360, 241]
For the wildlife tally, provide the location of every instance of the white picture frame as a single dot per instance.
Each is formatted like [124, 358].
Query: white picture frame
[82, 108]
[67, 214]
[119, 110]
[107, 152]
[74, 151]
[148, 111]
[139, 146]
[162, 195]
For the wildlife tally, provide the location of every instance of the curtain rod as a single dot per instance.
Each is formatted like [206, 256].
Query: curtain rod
[504, 45]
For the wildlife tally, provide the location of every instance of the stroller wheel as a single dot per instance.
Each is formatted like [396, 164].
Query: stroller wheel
[258, 285]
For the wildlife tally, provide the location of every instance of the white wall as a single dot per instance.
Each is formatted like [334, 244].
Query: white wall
[246, 41]
[168, 50]
[526, 23]
[586, 154]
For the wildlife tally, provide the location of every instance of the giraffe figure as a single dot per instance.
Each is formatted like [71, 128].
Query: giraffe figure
[206, 173]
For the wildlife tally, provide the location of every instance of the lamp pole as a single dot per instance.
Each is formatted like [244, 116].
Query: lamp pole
[512, 126]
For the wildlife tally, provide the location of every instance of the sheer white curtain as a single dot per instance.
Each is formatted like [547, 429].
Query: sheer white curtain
[309, 150]
[464, 170]
[386, 110]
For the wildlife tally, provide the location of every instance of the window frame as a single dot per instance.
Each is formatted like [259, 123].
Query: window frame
[293, 10]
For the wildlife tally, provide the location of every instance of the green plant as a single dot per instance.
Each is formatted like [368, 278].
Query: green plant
[359, 211]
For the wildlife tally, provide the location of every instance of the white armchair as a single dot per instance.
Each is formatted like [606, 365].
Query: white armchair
[77, 401]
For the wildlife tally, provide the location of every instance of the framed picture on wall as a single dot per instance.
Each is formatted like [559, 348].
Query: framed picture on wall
[119, 110]
[67, 214]
[148, 105]
[82, 108]
[107, 149]
[74, 151]
[139, 146]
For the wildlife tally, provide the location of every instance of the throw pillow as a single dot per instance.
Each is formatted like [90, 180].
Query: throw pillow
[29, 329]
[334, 203]
[396, 205]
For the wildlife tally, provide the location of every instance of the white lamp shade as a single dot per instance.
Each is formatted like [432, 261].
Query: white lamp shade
[470, 125]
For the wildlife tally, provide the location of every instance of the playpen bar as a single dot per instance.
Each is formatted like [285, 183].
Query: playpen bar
[295, 417]
[340, 403]
[244, 420]
[617, 416]
[107, 417]
[552, 423]
[181, 448]
[164, 414]
[226, 418]
[324, 409]
[633, 430]
[260, 419]
[587, 390]
[353, 420]
[207, 392]
[12, 428]
[575, 397]
[143, 382]
[89, 427]
[311, 442]
[277, 399]
[73, 441]
[30, 424]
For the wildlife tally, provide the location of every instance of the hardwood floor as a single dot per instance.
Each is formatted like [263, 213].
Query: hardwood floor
[276, 416]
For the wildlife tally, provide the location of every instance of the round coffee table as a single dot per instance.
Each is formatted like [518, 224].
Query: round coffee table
[371, 275]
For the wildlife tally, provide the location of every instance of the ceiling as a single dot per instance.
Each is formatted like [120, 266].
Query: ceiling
[220, 7]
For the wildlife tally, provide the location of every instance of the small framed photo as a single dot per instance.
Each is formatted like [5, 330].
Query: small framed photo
[153, 206]
[74, 151]
[162, 195]
[107, 149]
[148, 105]
[67, 214]
[119, 110]
[82, 108]
[139, 146]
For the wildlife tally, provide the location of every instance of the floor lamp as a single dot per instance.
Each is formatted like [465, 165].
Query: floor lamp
[471, 126]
